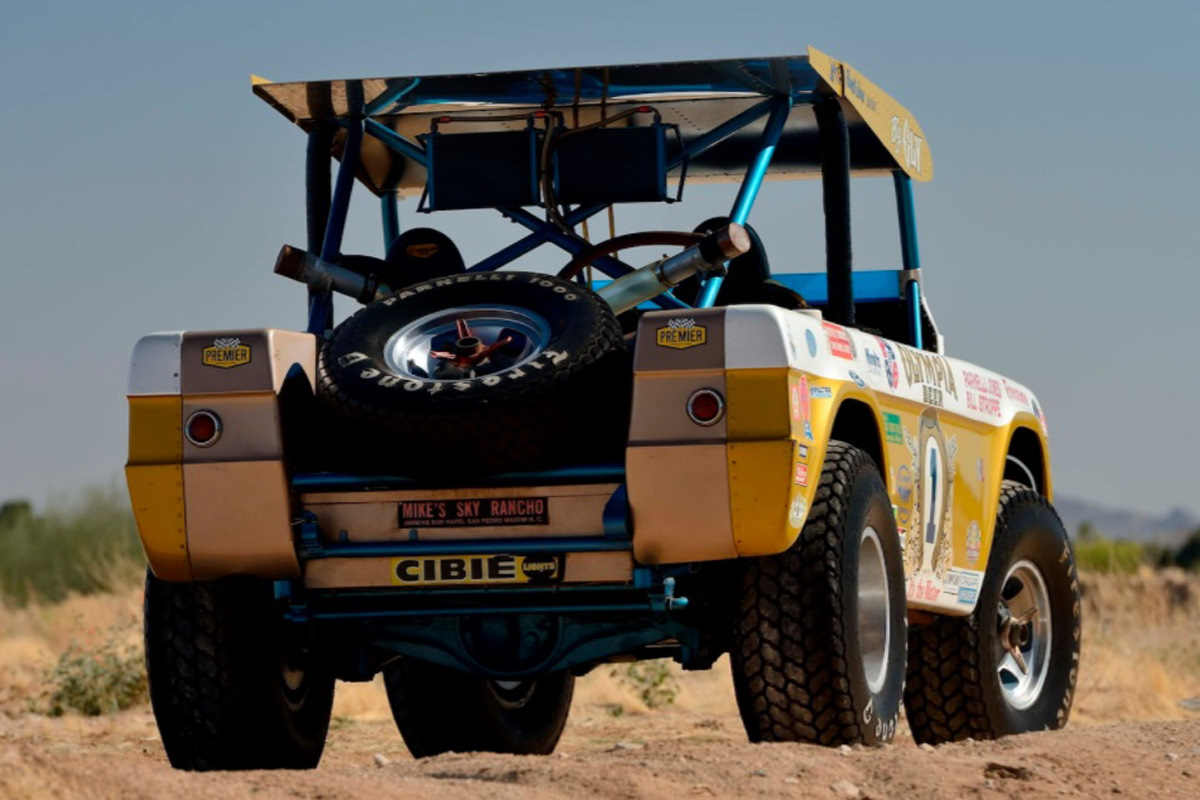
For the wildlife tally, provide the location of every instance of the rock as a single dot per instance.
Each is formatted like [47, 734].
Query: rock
[988, 783]
[846, 789]
[380, 760]
[927, 747]
[760, 773]
[1191, 704]
[1007, 772]
[844, 749]
[1172, 756]
[791, 780]
[625, 746]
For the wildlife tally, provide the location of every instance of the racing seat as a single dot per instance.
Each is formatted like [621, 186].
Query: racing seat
[416, 255]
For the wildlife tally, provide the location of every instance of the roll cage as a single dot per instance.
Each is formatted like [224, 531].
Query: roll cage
[734, 120]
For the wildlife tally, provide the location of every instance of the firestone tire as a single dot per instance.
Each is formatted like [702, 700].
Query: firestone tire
[558, 392]
[228, 691]
[819, 639]
[440, 710]
[963, 677]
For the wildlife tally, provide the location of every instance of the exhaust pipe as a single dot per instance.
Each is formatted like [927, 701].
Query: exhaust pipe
[706, 257]
[303, 266]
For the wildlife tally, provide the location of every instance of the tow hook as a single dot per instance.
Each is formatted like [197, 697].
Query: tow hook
[669, 599]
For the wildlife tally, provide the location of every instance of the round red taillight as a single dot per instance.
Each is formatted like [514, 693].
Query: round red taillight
[203, 428]
[705, 407]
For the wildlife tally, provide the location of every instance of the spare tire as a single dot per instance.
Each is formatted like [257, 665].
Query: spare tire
[478, 374]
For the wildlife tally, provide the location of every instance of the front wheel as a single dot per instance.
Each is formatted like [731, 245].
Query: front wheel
[439, 710]
[229, 688]
[1010, 667]
[819, 641]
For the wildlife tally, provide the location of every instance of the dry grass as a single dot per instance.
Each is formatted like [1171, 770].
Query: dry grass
[1141, 655]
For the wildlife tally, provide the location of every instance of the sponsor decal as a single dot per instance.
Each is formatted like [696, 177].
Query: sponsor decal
[874, 365]
[474, 513]
[891, 426]
[891, 367]
[802, 452]
[821, 392]
[979, 473]
[804, 402]
[906, 145]
[1016, 394]
[904, 495]
[964, 584]
[680, 334]
[982, 393]
[798, 510]
[802, 475]
[933, 459]
[226, 352]
[923, 589]
[1040, 415]
[421, 250]
[474, 569]
[840, 343]
[810, 339]
[929, 369]
[974, 543]
[857, 380]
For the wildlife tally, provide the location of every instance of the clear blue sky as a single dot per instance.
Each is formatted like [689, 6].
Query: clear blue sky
[143, 188]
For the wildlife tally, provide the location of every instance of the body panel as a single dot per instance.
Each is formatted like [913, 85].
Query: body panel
[945, 427]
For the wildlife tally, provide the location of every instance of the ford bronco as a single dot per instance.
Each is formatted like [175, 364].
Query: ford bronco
[485, 482]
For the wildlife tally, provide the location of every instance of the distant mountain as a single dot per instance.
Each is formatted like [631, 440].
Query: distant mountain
[1172, 528]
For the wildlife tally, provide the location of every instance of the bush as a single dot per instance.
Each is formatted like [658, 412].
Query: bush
[84, 545]
[1109, 557]
[102, 679]
[653, 681]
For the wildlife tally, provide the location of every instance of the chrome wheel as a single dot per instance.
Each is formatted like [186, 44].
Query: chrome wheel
[1024, 635]
[466, 342]
[874, 615]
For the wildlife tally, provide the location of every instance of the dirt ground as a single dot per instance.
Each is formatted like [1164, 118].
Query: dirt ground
[1129, 735]
[664, 754]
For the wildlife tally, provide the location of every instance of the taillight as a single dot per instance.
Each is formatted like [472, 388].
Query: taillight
[705, 407]
[202, 428]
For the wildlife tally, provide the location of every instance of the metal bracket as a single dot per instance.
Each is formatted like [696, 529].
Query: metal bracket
[309, 536]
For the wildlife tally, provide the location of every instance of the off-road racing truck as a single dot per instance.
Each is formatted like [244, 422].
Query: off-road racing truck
[485, 482]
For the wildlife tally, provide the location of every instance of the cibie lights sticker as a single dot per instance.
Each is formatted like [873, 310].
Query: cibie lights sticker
[226, 352]
[681, 334]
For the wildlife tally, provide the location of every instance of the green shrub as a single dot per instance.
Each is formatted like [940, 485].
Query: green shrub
[100, 679]
[83, 545]
[1109, 557]
[653, 681]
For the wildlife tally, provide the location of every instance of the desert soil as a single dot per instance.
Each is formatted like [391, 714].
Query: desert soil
[663, 754]
[1130, 734]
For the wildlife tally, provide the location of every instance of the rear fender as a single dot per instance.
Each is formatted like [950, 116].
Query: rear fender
[207, 512]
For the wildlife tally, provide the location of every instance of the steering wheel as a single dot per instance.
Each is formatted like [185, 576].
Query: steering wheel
[625, 241]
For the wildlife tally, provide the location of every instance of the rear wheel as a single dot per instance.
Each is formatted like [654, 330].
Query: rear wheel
[439, 710]
[1009, 667]
[819, 641]
[228, 688]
